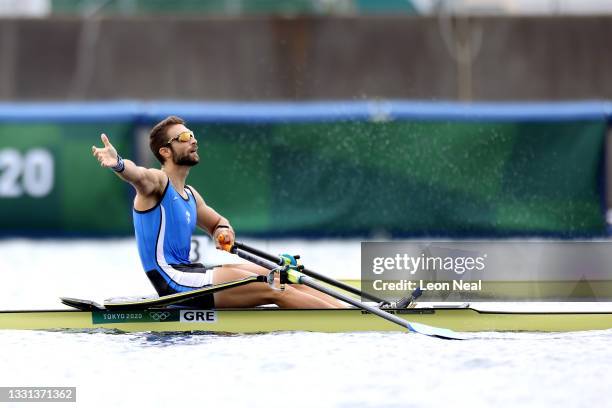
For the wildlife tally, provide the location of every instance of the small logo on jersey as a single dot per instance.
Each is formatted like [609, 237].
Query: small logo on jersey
[175, 198]
[198, 316]
[188, 215]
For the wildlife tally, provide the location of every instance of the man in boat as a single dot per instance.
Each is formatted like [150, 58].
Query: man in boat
[166, 211]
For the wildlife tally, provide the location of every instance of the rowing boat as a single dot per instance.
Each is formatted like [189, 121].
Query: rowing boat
[166, 314]
[456, 317]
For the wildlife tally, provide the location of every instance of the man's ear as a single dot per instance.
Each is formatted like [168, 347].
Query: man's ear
[165, 152]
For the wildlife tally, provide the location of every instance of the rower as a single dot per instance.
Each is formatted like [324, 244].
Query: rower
[166, 212]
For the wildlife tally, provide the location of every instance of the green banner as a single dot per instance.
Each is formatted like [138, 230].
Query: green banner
[50, 184]
[405, 177]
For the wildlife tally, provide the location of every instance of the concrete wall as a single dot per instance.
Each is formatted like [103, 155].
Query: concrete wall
[494, 58]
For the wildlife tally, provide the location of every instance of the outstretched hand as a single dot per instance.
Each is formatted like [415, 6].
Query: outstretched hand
[107, 155]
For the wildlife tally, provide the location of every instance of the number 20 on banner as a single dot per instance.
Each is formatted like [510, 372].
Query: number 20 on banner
[29, 173]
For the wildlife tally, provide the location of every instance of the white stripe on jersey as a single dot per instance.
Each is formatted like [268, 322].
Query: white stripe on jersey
[191, 279]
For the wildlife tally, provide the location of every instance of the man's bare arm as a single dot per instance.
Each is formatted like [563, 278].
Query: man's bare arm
[214, 223]
[145, 181]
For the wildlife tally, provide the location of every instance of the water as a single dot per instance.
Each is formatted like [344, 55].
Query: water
[304, 369]
[282, 369]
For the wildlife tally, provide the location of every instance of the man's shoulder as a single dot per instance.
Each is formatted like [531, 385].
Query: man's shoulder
[159, 176]
[155, 183]
[157, 172]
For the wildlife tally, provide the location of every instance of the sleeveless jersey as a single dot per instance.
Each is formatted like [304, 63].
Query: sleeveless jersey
[163, 235]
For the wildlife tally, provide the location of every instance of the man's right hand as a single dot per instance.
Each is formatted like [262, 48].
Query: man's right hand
[107, 155]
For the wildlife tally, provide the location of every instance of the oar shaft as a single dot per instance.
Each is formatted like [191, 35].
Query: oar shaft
[305, 280]
[255, 259]
[340, 285]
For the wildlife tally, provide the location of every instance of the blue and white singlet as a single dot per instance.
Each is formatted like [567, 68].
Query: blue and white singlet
[163, 235]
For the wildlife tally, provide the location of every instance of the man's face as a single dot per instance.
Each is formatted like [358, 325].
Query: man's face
[184, 153]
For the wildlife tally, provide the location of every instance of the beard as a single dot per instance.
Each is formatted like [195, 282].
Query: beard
[188, 159]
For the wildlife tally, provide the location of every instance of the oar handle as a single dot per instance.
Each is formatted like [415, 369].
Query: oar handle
[279, 261]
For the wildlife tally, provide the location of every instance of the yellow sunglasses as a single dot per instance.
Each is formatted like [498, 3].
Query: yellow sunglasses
[182, 137]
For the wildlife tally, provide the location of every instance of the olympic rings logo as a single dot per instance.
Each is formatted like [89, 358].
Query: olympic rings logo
[159, 316]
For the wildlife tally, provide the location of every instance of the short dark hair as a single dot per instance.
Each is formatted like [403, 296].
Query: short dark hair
[158, 137]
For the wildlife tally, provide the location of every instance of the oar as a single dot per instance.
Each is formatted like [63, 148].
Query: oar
[278, 260]
[296, 277]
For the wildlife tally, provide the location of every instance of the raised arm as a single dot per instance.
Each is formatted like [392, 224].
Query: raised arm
[145, 181]
[214, 223]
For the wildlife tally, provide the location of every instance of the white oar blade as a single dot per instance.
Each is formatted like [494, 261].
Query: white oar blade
[435, 331]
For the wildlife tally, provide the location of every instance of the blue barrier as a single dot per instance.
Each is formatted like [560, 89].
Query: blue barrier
[279, 112]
